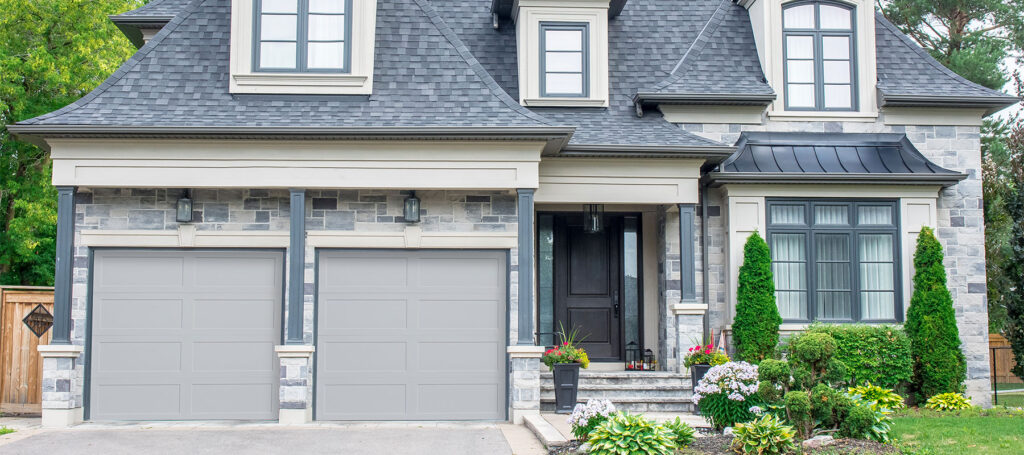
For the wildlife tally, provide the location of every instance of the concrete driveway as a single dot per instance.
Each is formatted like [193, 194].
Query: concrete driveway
[388, 439]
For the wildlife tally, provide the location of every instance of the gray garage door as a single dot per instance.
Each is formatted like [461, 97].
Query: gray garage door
[411, 335]
[185, 334]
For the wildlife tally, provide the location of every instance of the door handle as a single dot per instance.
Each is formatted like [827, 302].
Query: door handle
[616, 306]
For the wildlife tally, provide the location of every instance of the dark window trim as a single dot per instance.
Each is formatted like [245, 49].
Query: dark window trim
[817, 33]
[301, 40]
[584, 28]
[854, 231]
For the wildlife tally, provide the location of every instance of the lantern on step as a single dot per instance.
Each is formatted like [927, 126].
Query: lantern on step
[634, 356]
[648, 360]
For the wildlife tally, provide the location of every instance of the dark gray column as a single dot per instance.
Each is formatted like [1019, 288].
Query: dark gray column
[64, 273]
[296, 265]
[526, 326]
[687, 259]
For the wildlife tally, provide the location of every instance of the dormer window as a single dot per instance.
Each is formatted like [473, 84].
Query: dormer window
[565, 59]
[819, 50]
[302, 35]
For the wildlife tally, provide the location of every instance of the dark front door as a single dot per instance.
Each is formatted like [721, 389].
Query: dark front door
[587, 282]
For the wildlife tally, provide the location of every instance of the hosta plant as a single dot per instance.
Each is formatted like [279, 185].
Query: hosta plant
[684, 434]
[726, 393]
[628, 434]
[586, 417]
[948, 402]
[882, 397]
[764, 436]
[867, 420]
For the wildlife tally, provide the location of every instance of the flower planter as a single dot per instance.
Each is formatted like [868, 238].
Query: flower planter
[567, 380]
[697, 372]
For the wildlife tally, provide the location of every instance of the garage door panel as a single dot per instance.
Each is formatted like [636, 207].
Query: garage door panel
[218, 358]
[403, 346]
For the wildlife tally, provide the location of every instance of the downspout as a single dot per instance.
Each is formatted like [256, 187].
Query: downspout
[705, 285]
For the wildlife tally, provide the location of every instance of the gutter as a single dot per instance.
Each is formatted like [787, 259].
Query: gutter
[706, 99]
[711, 153]
[993, 104]
[717, 179]
[702, 193]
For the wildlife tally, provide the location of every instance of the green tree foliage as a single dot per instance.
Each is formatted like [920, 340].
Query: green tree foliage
[939, 365]
[756, 327]
[1014, 266]
[971, 37]
[51, 53]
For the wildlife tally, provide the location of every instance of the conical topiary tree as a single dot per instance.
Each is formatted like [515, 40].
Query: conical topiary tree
[756, 327]
[939, 365]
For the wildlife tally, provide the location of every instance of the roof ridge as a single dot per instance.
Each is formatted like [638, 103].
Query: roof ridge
[439, 23]
[122, 70]
[917, 49]
[698, 44]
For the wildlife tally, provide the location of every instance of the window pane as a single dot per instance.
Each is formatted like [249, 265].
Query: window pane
[831, 215]
[631, 280]
[279, 6]
[326, 28]
[563, 40]
[800, 71]
[278, 28]
[789, 269]
[878, 305]
[799, 17]
[326, 6]
[800, 47]
[835, 47]
[563, 61]
[876, 248]
[788, 248]
[838, 96]
[874, 215]
[837, 72]
[832, 255]
[800, 95]
[277, 55]
[546, 278]
[326, 55]
[835, 18]
[787, 214]
[571, 84]
[877, 276]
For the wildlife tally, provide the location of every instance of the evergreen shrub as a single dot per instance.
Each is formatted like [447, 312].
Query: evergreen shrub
[756, 326]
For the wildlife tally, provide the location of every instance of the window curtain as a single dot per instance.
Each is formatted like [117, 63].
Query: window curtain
[789, 267]
[878, 289]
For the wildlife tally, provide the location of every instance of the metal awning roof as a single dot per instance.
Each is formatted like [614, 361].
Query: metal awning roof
[887, 158]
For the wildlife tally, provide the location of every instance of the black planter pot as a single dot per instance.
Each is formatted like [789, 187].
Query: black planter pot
[697, 372]
[567, 381]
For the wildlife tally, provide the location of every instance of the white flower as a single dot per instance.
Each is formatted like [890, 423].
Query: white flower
[737, 380]
[756, 410]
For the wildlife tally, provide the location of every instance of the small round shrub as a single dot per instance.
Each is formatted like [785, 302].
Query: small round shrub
[626, 434]
[948, 402]
[798, 411]
[823, 400]
[684, 434]
[882, 397]
[764, 436]
[726, 393]
[586, 417]
[812, 348]
[858, 423]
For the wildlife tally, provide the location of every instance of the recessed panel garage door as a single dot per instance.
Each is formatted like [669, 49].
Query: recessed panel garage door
[185, 334]
[411, 335]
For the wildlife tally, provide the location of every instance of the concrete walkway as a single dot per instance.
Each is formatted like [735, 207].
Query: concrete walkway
[226, 438]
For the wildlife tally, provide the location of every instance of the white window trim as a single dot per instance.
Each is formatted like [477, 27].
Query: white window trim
[766, 21]
[359, 81]
[529, 16]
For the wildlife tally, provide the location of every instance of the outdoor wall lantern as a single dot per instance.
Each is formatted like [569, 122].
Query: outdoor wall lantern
[412, 208]
[593, 218]
[184, 214]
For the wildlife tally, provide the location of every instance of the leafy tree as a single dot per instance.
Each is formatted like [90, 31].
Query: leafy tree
[756, 327]
[1014, 267]
[939, 365]
[51, 53]
[971, 37]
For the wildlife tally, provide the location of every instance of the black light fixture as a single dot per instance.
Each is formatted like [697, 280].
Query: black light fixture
[412, 208]
[184, 212]
[593, 218]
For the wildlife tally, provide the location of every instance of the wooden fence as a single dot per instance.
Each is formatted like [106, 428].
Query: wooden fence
[21, 367]
[1001, 360]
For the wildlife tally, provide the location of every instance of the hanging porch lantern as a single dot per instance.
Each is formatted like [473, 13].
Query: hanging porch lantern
[412, 208]
[184, 210]
[593, 218]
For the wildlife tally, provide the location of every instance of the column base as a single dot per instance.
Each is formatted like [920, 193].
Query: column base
[295, 416]
[524, 382]
[62, 418]
[296, 386]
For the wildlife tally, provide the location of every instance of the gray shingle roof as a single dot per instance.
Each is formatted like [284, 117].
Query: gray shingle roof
[905, 70]
[158, 8]
[814, 157]
[181, 79]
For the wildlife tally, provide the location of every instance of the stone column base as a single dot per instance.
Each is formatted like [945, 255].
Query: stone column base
[62, 391]
[296, 386]
[690, 329]
[524, 381]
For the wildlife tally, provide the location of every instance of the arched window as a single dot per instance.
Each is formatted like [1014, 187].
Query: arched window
[818, 50]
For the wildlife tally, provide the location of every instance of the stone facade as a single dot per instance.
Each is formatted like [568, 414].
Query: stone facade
[524, 382]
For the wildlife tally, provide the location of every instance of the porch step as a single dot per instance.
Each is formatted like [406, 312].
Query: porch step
[653, 391]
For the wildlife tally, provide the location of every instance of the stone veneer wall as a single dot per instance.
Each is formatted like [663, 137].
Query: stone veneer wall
[961, 227]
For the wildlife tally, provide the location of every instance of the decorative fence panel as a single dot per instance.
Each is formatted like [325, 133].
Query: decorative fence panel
[26, 314]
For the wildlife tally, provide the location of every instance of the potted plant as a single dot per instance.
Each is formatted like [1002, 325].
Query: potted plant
[699, 359]
[565, 361]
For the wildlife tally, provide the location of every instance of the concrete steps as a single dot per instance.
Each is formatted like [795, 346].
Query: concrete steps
[654, 391]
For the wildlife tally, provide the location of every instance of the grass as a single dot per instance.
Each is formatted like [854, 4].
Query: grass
[1010, 385]
[1012, 400]
[5, 430]
[994, 431]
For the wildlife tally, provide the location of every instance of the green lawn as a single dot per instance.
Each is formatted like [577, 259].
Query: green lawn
[1010, 386]
[1011, 400]
[994, 432]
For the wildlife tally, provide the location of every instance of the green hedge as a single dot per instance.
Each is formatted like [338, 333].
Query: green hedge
[879, 354]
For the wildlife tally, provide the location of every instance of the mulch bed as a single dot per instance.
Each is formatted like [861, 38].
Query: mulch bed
[719, 445]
